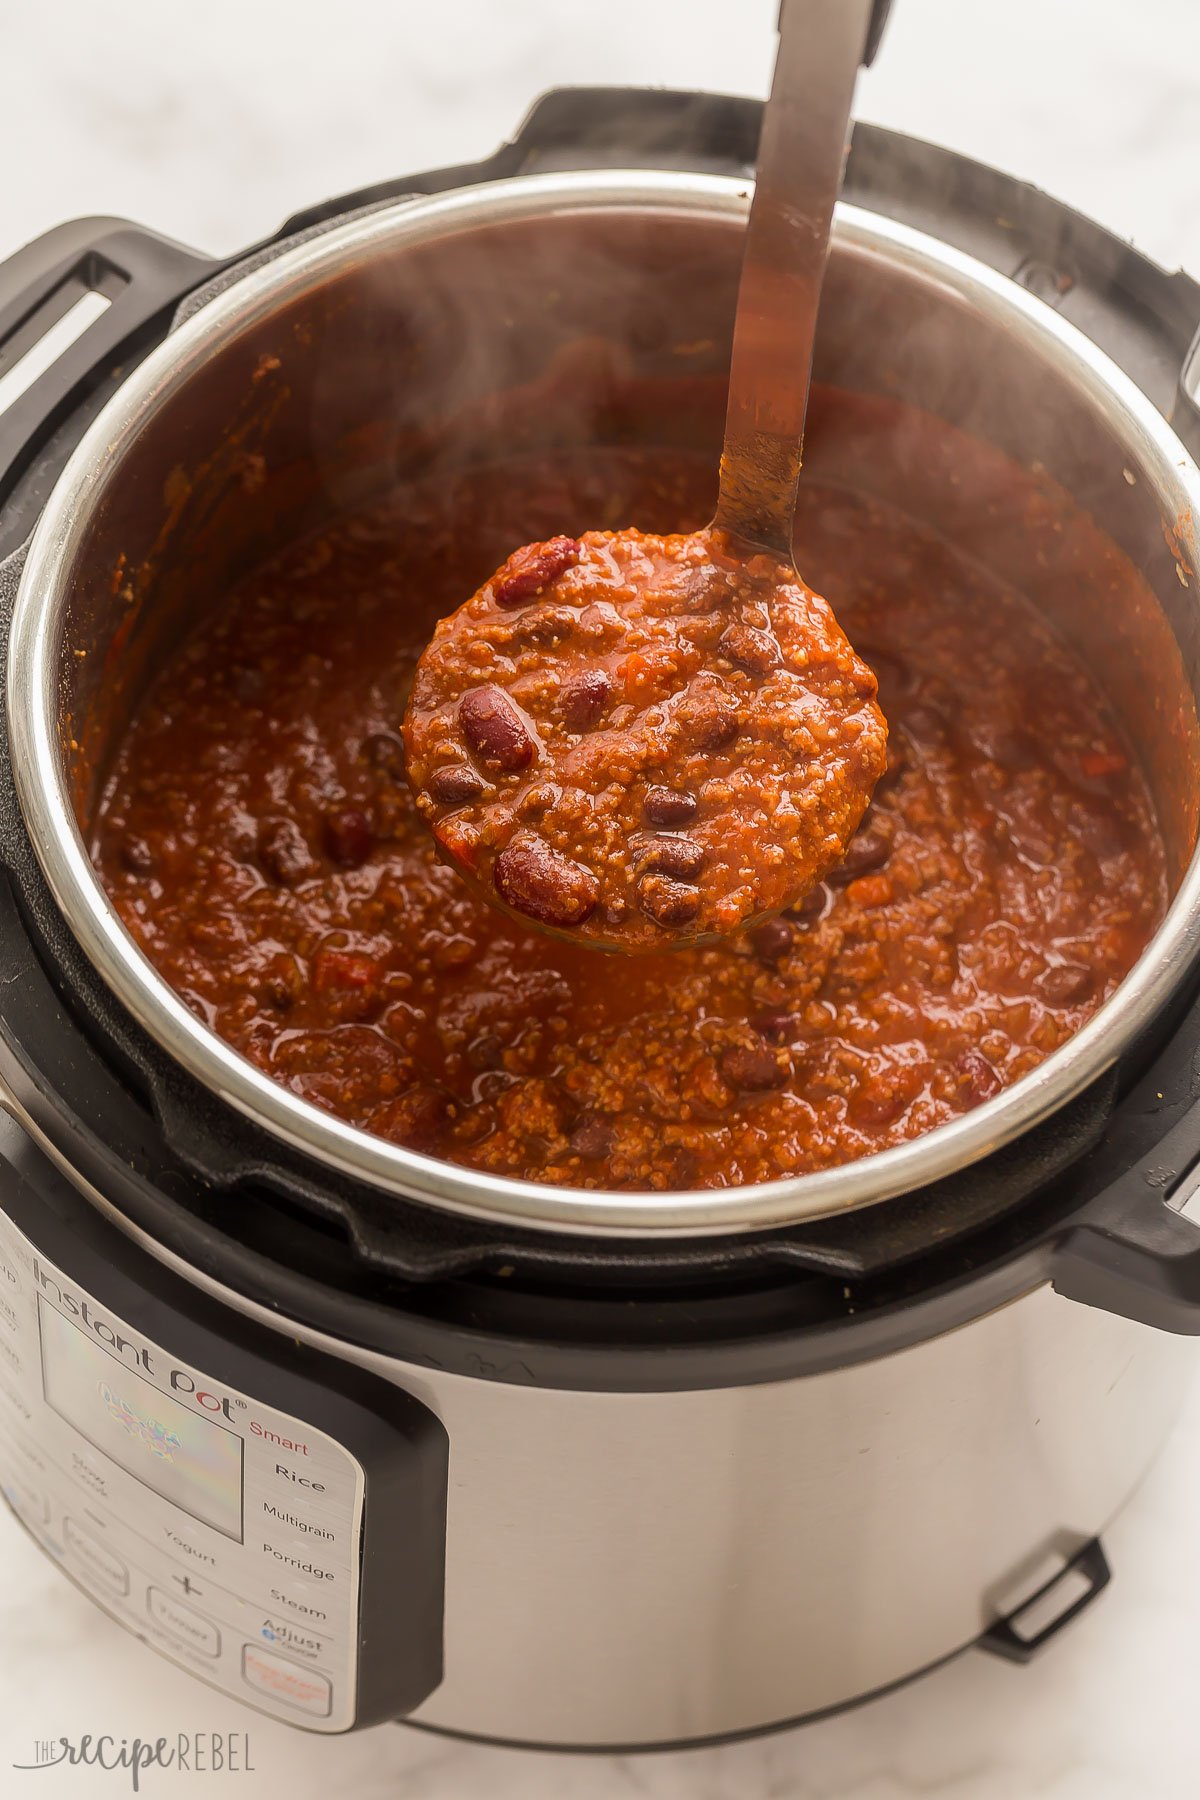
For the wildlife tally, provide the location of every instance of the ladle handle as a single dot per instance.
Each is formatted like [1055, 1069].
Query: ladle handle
[800, 159]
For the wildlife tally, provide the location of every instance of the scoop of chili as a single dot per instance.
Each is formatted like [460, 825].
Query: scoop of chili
[639, 740]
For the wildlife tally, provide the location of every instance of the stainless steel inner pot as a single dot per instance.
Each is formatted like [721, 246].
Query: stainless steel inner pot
[566, 308]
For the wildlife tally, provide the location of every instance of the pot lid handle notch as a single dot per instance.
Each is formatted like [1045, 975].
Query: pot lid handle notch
[1135, 1251]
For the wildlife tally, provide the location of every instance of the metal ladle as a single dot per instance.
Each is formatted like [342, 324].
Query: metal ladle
[801, 155]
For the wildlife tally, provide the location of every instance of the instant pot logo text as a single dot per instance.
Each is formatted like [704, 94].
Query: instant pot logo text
[138, 1356]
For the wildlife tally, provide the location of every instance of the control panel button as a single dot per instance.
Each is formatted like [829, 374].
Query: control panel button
[304, 1603]
[305, 1689]
[96, 1560]
[184, 1622]
[296, 1558]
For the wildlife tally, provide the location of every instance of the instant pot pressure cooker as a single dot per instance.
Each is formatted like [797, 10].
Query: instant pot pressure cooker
[356, 1435]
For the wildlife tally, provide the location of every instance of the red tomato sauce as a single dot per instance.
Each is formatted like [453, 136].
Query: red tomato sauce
[259, 838]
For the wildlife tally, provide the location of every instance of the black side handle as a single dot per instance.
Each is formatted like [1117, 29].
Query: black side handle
[1132, 1252]
[138, 273]
[1005, 1638]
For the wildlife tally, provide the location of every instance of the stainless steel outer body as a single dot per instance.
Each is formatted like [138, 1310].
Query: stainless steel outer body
[430, 331]
[628, 1569]
[646, 1568]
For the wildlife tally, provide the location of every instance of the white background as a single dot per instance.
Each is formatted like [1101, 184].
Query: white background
[213, 121]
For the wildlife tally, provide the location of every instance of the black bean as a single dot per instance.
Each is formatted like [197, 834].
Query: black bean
[538, 881]
[866, 850]
[495, 730]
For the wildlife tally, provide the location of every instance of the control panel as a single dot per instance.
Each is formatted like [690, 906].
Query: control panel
[224, 1526]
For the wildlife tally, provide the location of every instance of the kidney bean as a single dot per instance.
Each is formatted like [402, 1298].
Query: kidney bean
[752, 650]
[349, 838]
[1066, 984]
[456, 784]
[283, 852]
[676, 856]
[667, 902]
[977, 1079]
[584, 699]
[536, 880]
[495, 730]
[772, 939]
[592, 1138]
[775, 1025]
[866, 850]
[669, 806]
[531, 570]
[752, 1067]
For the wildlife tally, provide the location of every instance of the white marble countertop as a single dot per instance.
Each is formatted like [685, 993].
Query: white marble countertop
[212, 123]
